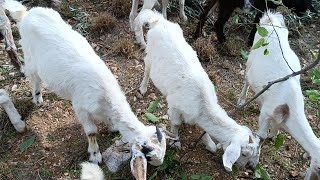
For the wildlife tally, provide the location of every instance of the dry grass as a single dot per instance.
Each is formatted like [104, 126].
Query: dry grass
[124, 47]
[103, 22]
[205, 49]
[120, 8]
[233, 45]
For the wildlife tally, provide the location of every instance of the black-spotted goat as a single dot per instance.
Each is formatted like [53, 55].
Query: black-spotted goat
[66, 63]
[282, 105]
[175, 70]
[12, 112]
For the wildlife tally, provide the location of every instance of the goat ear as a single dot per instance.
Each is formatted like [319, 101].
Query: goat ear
[138, 165]
[231, 155]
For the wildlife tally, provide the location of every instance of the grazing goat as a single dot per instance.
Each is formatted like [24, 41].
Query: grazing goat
[282, 105]
[12, 112]
[148, 4]
[175, 70]
[66, 63]
[226, 8]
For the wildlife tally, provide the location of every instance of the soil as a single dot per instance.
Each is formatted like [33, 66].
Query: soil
[61, 144]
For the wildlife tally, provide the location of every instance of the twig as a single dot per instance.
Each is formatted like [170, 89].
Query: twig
[278, 38]
[305, 69]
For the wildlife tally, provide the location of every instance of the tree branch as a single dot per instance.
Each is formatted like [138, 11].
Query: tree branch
[303, 70]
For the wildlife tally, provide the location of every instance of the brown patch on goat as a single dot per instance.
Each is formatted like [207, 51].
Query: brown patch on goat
[281, 113]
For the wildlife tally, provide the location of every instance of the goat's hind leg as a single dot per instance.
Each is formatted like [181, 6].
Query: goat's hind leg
[12, 112]
[182, 14]
[146, 77]
[36, 89]
[243, 94]
[91, 131]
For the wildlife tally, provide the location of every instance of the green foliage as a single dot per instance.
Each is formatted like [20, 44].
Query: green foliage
[277, 2]
[235, 19]
[263, 32]
[153, 106]
[278, 142]
[314, 94]
[152, 118]
[244, 54]
[260, 172]
[169, 165]
[26, 144]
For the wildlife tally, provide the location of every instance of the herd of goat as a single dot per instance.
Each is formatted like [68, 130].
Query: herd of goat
[51, 48]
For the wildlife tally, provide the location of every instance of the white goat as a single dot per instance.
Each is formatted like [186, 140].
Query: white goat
[148, 4]
[65, 62]
[282, 105]
[12, 112]
[175, 70]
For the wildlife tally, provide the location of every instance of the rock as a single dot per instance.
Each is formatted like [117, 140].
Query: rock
[165, 117]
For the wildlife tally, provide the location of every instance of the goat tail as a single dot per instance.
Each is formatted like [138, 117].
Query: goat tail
[91, 171]
[16, 9]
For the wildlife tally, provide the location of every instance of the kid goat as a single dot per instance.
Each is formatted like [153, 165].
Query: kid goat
[175, 70]
[65, 62]
[282, 105]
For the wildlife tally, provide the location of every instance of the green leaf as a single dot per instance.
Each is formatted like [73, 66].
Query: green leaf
[276, 2]
[260, 172]
[266, 52]
[194, 177]
[153, 106]
[263, 32]
[206, 178]
[278, 142]
[26, 144]
[153, 175]
[151, 117]
[259, 44]
[184, 177]
[235, 19]
[244, 54]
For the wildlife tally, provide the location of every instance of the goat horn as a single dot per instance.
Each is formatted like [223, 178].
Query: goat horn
[159, 134]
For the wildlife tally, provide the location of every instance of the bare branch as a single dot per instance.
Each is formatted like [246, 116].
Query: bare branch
[303, 70]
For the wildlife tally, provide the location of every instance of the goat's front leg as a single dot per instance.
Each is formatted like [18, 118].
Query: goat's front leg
[210, 145]
[182, 14]
[133, 13]
[36, 89]
[146, 76]
[91, 131]
[243, 94]
[175, 121]
[164, 8]
[208, 9]
[12, 112]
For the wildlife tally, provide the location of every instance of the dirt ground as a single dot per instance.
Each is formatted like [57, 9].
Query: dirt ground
[61, 145]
